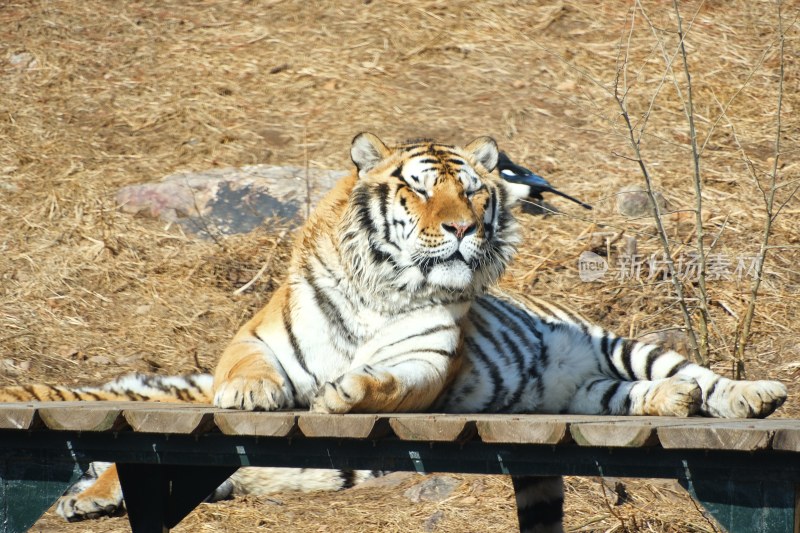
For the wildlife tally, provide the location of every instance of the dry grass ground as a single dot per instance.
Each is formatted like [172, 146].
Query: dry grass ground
[101, 94]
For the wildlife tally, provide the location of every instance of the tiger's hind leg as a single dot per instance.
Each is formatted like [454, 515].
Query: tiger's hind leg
[675, 396]
[540, 503]
[727, 398]
[628, 359]
[103, 497]
[721, 397]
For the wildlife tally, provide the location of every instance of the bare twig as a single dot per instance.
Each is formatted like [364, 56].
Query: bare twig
[662, 232]
[634, 142]
[611, 509]
[698, 196]
[264, 267]
[704, 514]
[744, 333]
[213, 233]
[688, 107]
[668, 60]
[786, 200]
[305, 166]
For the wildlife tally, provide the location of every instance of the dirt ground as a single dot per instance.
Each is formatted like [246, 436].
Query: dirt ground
[97, 95]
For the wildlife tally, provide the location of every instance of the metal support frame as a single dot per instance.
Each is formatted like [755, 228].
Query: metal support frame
[162, 483]
[746, 505]
[30, 483]
[157, 497]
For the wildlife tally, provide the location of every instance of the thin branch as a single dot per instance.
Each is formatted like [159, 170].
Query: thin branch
[617, 68]
[305, 167]
[786, 201]
[264, 267]
[662, 233]
[603, 225]
[698, 195]
[214, 232]
[751, 168]
[629, 158]
[572, 66]
[627, 52]
[668, 61]
[746, 82]
[744, 334]
[719, 234]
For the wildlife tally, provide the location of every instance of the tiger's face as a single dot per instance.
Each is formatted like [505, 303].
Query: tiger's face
[435, 215]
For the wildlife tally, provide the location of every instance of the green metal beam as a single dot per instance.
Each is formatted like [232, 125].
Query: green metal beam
[747, 492]
[394, 454]
[745, 506]
[28, 488]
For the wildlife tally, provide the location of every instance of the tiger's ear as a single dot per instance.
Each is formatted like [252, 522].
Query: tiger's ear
[485, 152]
[367, 151]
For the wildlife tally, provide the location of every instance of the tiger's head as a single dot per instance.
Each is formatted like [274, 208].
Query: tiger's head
[429, 217]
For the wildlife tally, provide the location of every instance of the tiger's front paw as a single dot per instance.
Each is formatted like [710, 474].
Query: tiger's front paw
[676, 396]
[90, 505]
[747, 399]
[364, 390]
[252, 395]
[338, 396]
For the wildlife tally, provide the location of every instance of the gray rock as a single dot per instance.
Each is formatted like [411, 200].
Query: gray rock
[633, 201]
[670, 339]
[433, 520]
[23, 60]
[6, 178]
[10, 367]
[130, 359]
[433, 489]
[229, 200]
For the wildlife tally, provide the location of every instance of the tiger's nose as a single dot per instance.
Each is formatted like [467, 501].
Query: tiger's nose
[460, 228]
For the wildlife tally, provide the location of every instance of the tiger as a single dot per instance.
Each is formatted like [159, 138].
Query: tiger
[391, 304]
[99, 493]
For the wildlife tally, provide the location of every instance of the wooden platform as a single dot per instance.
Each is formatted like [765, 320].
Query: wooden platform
[745, 472]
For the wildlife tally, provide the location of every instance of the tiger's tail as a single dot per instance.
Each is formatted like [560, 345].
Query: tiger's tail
[192, 388]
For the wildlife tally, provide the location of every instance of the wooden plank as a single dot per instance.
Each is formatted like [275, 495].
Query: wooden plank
[350, 426]
[528, 429]
[83, 416]
[787, 435]
[183, 420]
[615, 434]
[17, 416]
[625, 431]
[261, 424]
[440, 428]
[124, 405]
[742, 435]
[77, 416]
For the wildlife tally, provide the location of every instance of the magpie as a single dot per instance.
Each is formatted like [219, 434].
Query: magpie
[515, 173]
